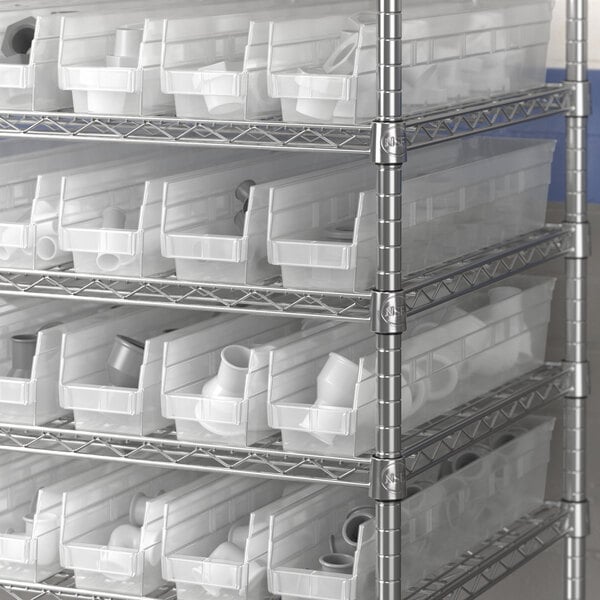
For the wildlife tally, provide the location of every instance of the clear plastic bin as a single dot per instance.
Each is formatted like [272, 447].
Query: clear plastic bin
[111, 529]
[29, 396]
[194, 359]
[457, 198]
[216, 66]
[443, 520]
[450, 355]
[110, 59]
[30, 191]
[452, 509]
[110, 216]
[30, 516]
[313, 417]
[86, 386]
[214, 221]
[216, 537]
[305, 532]
[324, 69]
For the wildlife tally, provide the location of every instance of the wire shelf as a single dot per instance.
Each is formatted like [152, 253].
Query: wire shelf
[421, 129]
[423, 448]
[498, 557]
[473, 422]
[467, 578]
[423, 290]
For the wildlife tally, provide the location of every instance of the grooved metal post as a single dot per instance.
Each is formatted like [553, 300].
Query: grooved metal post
[574, 492]
[388, 150]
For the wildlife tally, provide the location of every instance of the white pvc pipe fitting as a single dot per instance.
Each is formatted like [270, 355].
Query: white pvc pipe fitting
[336, 382]
[353, 521]
[230, 380]
[336, 562]
[113, 217]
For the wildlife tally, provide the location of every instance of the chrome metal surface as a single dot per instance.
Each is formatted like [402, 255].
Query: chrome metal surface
[501, 555]
[474, 271]
[423, 290]
[62, 587]
[388, 158]
[478, 117]
[162, 449]
[421, 129]
[574, 430]
[436, 441]
[422, 448]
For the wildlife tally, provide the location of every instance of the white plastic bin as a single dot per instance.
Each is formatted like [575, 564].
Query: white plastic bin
[470, 346]
[195, 359]
[450, 355]
[30, 197]
[310, 529]
[322, 390]
[29, 396]
[31, 509]
[111, 529]
[324, 70]
[214, 221]
[86, 386]
[457, 198]
[216, 537]
[444, 520]
[110, 216]
[110, 59]
[216, 65]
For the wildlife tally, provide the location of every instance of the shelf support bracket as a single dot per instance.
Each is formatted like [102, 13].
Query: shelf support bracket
[388, 479]
[388, 313]
[581, 99]
[578, 521]
[388, 143]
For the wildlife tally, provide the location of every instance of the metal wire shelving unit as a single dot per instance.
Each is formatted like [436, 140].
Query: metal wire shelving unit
[400, 456]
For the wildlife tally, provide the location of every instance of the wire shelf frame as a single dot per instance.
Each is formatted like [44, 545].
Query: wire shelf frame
[421, 129]
[423, 448]
[468, 577]
[423, 290]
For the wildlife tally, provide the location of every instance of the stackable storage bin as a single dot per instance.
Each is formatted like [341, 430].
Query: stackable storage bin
[202, 526]
[30, 189]
[33, 488]
[110, 217]
[216, 65]
[111, 529]
[307, 529]
[194, 358]
[457, 198]
[214, 222]
[324, 69]
[85, 384]
[492, 490]
[469, 346]
[110, 59]
[312, 425]
[450, 355]
[31, 398]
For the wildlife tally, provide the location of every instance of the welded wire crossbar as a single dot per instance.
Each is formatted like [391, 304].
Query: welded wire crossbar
[421, 129]
[458, 277]
[481, 568]
[162, 449]
[472, 574]
[445, 436]
[62, 587]
[423, 290]
[477, 117]
[422, 448]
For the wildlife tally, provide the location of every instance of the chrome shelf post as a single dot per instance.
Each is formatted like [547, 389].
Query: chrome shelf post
[388, 311]
[574, 479]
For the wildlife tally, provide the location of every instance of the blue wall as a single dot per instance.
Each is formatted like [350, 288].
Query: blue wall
[555, 128]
